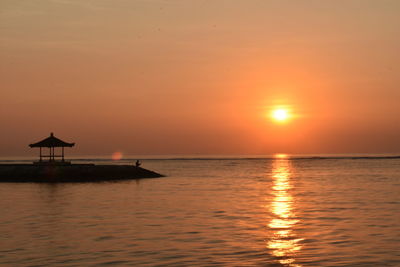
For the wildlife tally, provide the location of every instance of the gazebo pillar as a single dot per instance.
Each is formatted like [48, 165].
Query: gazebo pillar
[40, 154]
[62, 154]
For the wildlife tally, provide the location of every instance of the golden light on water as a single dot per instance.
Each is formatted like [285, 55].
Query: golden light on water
[282, 206]
[283, 243]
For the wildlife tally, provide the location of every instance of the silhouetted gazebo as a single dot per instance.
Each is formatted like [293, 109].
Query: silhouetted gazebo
[51, 142]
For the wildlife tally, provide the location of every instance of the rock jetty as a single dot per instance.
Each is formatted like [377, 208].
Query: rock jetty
[70, 173]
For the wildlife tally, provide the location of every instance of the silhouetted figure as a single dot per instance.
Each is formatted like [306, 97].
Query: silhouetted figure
[138, 163]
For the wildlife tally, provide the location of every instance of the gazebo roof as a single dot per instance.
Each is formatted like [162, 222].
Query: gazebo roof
[52, 141]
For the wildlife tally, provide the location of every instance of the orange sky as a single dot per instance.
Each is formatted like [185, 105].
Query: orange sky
[187, 77]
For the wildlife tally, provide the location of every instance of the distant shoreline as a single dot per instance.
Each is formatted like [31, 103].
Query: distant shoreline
[124, 161]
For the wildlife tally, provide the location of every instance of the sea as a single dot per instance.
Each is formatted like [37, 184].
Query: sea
[278, 210]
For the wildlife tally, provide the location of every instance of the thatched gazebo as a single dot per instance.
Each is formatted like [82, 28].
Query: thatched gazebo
[51, 142]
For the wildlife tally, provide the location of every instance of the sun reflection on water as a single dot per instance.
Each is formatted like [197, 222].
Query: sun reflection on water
[283, 243]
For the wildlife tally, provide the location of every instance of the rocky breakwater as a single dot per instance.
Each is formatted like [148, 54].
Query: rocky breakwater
[57, 173]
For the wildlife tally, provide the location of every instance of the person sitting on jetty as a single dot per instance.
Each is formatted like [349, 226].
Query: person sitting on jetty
[138, 163]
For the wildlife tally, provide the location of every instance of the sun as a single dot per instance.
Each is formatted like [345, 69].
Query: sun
[280, 115]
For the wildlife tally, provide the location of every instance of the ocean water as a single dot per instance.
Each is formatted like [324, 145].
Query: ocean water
[282, 211]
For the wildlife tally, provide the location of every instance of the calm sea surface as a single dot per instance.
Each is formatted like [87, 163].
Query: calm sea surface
[227, 212]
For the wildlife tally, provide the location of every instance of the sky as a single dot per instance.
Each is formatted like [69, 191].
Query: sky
[200, 77]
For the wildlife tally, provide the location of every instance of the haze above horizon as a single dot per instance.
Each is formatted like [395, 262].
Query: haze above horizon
[200, 77]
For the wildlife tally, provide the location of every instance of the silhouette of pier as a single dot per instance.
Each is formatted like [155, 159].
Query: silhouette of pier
[53, 168]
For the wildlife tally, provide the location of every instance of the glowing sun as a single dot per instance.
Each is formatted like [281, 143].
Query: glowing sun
[280, 115]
